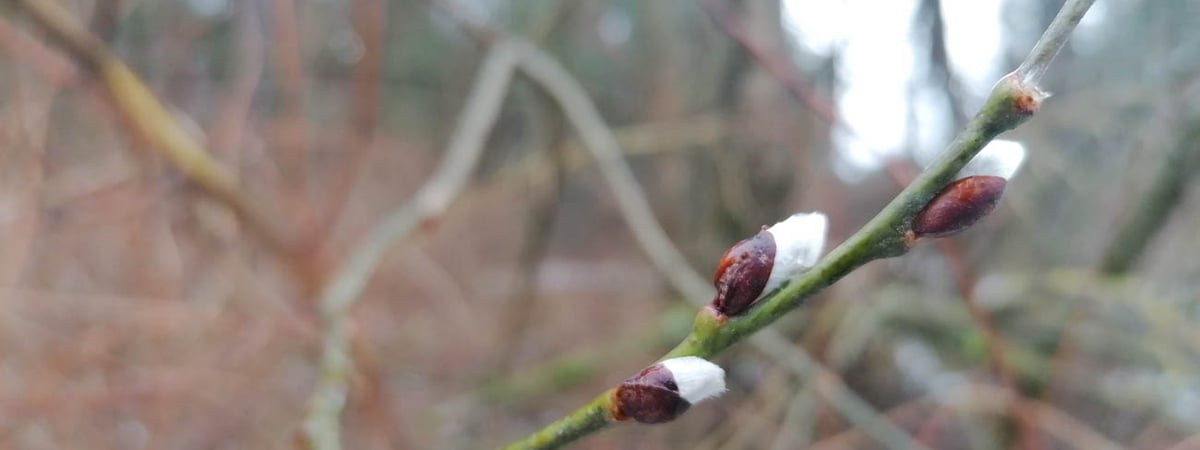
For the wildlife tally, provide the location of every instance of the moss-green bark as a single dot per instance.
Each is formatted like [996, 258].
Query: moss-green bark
[589, 418]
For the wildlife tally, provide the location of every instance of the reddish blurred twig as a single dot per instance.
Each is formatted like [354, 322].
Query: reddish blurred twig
[342, 290]
[994, 343]
[53, 68]
[772, 62]
[290, 136]
[227, 133]
[973, 398]
[370, 22]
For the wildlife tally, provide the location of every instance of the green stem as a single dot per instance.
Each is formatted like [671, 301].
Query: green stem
[590, 418]
[882, 237]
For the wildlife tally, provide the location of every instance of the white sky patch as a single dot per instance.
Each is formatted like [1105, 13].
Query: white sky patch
[973, 42]
[1088, 38]
[876, 70]
[815, 23]
[615, 27]
[931, 110]
[999, 158]
[208, 7]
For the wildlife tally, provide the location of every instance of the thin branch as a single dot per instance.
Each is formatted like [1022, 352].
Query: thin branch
[51, 67]
[598, 139]
[773, 63]
[940, 73]
[1010, 104]
[370, 21]
[543, 208]
[150, 120]
[1052, 41]
[994, 343]
[321, 425]
[1052, 420]
[290, 135]
[227, 132]
[638, 215]
[1014, 99]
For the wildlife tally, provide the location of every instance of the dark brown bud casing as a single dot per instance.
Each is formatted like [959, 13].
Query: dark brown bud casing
[743, 272]
[664, 391]
[958, 206]
[650, 397]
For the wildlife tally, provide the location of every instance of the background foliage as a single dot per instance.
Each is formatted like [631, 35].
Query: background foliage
[136, 313]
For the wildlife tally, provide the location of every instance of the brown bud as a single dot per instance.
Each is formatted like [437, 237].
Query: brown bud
[650, 397]
[664, 391]
[743, 272]
[958, 206]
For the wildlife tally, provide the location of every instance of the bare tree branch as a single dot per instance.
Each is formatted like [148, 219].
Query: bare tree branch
[151, 121]
[321, 426]
[598, 139]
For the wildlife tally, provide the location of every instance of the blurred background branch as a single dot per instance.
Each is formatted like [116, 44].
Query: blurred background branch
[139, 310]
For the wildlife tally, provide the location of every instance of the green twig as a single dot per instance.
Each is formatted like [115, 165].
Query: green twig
[1014, 99]
[599, 140]
[587, 419]
[1010, 104]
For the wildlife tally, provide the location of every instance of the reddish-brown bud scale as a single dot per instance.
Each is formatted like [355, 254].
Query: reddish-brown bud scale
[649, 397]
[958, 206]
[743, 272]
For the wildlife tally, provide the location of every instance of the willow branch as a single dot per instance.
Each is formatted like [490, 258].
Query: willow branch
[1011, 102]
[1052, 41]
[631, 201]
[321, 425]
[149, 119]
[1014, 99]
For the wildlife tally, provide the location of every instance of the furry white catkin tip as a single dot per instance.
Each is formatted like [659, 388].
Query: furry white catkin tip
[799, 241]
[697, 378]
[1000, 158]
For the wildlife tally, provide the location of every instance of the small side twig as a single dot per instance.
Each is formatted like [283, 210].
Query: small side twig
[370, 21]
[321, 424]
[779, 68]
[1034, 67]
[994, 343]
[290, 136]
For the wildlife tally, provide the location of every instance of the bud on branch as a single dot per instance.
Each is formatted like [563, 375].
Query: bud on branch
[972, 196]
[762, 263]
[666, 390]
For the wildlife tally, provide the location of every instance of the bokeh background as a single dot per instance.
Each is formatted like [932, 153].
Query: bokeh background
[136, 312]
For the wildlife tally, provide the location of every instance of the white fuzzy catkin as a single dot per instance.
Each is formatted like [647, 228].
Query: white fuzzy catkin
[799, 241]
[1000, 158]
[697, 378]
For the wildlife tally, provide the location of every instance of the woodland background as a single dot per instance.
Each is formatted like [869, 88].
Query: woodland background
[135, 311]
